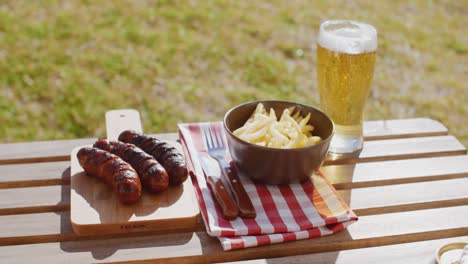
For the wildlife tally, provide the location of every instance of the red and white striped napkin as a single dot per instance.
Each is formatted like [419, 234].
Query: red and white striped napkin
[312, 208]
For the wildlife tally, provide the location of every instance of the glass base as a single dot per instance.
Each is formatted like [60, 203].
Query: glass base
[346, 144]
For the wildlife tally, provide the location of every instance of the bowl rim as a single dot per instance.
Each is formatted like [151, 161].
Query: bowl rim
[324, 141]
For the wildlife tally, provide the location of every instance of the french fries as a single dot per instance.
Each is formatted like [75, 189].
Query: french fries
[290, 131]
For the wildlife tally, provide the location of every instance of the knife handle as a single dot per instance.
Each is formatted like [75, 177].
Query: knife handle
[223, 198]
[246, 208]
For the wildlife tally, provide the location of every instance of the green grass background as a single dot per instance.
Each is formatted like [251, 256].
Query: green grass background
[63, 64]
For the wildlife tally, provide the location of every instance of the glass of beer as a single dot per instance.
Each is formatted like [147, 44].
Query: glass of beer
[345, 66]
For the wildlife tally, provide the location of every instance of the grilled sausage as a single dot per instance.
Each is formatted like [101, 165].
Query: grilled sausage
[153, 176]
[113, 171]
[171, 159]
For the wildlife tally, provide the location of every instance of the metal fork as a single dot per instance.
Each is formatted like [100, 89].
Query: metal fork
[217, 150]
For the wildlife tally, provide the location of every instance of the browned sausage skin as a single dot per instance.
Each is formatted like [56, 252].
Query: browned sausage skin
[113, 171]
[171, 159]
[152, 174]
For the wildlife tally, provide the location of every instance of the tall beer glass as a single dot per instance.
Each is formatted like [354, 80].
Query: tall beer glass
[345, 66]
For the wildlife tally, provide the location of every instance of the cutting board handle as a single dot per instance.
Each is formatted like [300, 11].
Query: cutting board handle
[121, 120]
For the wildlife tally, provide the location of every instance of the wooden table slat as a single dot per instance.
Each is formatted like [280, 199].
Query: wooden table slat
[59, 150]
[34, 199]
[198, 247]
[40, 151]
[34, 174]
[47, 151]
[24, 225]
[396, 172]
[416, 252]
[400, 128]
[403, 148]
[411, 196]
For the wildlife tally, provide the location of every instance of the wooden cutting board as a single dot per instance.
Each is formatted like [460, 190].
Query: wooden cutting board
[95, 209]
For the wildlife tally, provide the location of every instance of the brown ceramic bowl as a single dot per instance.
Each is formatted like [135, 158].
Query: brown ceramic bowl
[274, 165]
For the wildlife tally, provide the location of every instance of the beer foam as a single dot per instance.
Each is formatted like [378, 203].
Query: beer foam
[347, 36]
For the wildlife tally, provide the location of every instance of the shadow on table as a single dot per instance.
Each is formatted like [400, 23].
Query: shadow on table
[104, 246]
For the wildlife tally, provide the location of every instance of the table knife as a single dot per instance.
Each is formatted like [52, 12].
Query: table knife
[214, 179]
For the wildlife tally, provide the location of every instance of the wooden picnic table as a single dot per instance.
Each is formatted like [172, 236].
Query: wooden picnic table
[409, 187]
